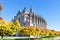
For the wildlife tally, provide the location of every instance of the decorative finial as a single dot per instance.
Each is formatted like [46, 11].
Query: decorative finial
[0, 6]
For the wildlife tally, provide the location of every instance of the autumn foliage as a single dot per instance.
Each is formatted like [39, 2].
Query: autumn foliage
[37, 31]
[11, 28]
[8, 28]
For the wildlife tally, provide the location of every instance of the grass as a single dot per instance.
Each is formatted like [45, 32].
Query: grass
[31, 39]
[15, 39]
[43, 38]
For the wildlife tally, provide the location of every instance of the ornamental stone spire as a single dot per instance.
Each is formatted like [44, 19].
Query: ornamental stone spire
[0, 7]
[30, 9]
[24, 9]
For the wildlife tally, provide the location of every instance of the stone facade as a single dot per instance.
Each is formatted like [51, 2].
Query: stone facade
[30, 18]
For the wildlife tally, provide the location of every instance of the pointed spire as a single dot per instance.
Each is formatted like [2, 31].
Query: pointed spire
[30, 9]
[18, 12]
[24, 9]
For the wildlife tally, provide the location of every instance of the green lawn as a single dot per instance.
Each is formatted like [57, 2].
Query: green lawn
[42, 38]
[15, 39]
[30, 39]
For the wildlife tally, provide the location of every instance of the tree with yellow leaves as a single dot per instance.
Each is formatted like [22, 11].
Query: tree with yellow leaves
[28, 31]
[9, 28]
[17, 25]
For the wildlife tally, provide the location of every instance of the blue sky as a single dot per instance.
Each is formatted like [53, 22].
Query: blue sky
[49, 9]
